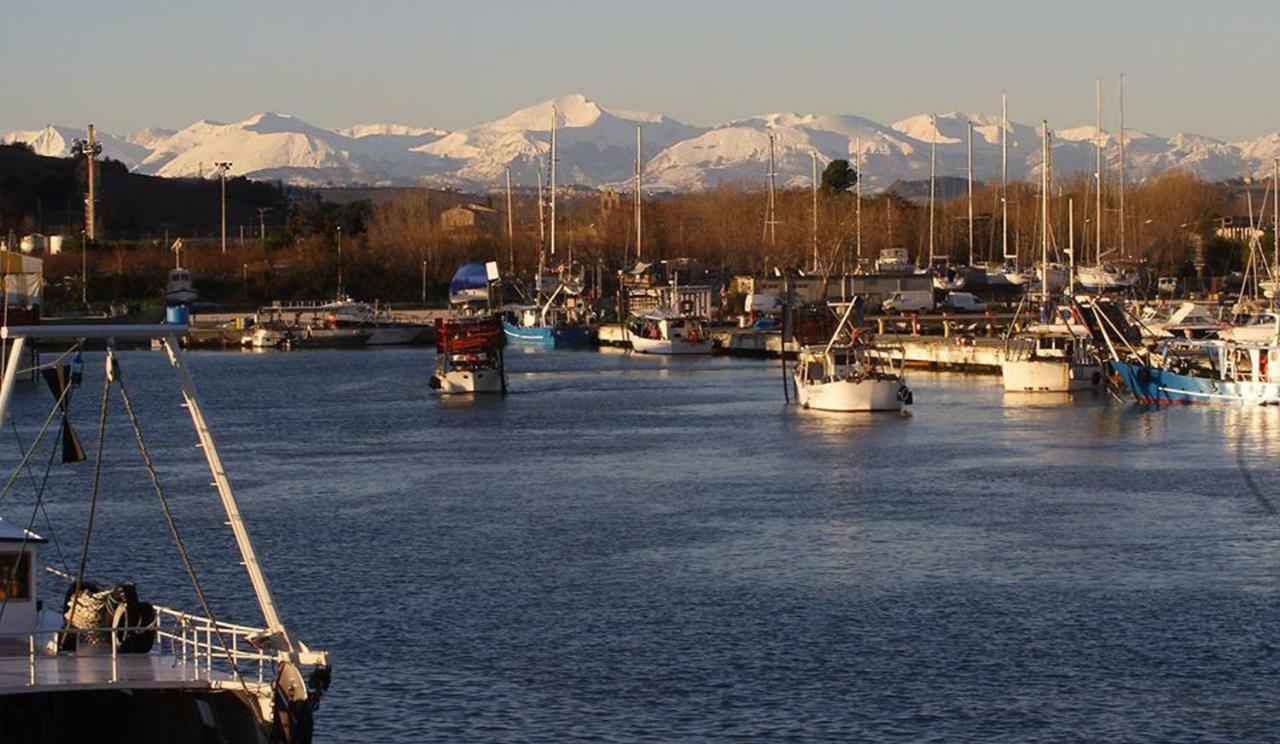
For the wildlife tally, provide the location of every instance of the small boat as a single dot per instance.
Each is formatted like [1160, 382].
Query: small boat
[179, 290]
[469, 341]
[541, 325]
[1183, 320]
[103, 663]
[383, 328]
[1261, 327]
[668, 332]
[275, 335]
[1049, 359]
[1106, 277]
[848, 374]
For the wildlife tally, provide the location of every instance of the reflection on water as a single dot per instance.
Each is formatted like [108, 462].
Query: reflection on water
[632, 547]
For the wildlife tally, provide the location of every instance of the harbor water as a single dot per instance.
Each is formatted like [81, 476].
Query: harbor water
[655, 549]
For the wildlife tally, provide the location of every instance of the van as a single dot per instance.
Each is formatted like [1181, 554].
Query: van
[965, 302]
[909, 301]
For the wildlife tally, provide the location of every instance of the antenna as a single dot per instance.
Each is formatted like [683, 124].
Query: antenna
[90, 149]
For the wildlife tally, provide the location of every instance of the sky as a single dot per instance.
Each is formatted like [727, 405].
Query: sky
[1203, 67]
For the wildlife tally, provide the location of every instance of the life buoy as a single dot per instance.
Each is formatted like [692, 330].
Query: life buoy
[686, 306]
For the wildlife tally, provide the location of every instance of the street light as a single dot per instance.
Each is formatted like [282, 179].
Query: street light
[223, 167]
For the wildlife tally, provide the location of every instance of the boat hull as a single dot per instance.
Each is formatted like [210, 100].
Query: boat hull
[467, 382]
[1044, 376]
[848, 396]
[670, 347]
[1155, 386]
[396, 335]
[563, 337]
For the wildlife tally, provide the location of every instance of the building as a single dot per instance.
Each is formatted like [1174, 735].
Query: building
[477, 217]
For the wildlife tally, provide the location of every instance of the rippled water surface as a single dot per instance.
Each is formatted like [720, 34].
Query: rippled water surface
[632, 548]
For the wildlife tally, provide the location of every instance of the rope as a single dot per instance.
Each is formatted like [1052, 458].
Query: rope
[4, 491]
[173, 527]
[39, 491]
[107, 379]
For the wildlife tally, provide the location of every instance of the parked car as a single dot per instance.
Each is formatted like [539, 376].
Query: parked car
[965, 302]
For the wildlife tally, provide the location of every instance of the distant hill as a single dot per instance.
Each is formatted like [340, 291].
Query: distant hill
[46, 194]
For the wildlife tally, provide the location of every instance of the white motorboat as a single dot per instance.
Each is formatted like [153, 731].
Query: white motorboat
[1184, 320]
[848, 375]
[669, 333]
[1259, 328]
[383, 328]
[100, 662]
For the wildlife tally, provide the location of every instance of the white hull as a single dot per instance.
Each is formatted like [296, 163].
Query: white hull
[669, 347]
[461, 382]
[1048, 376]
[847, 396]
[1097, 279]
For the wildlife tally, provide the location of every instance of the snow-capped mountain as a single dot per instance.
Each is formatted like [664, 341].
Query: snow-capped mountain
[596, 147]
[55, 141]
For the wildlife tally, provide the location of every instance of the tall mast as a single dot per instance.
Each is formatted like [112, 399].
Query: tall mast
[1044, 208]
[971, 192]
[1097, 174]
[1123, 254]
[857, 159]
[639, 200]
[1071, 244]
[91, 203]
[770, 222]
[542, 236]
[511, 228]
[814, 154]
[933, 157]
[554, 116]
[1004, 175]
[1275, 217]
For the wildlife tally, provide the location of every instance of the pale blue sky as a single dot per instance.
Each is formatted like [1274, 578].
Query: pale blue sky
[1206, 67]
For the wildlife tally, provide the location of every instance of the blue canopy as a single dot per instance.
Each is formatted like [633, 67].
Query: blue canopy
[468, 278]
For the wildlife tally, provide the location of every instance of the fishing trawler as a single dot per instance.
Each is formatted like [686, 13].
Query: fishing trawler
[848, 374]
[1204, 372]
[469, 341]
[558, 319]
[1051, 358]
[100, 662]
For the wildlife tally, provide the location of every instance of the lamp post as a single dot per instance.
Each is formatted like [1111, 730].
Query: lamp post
[223, 167]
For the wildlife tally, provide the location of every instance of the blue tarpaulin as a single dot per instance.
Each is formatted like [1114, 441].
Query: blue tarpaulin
[468, 278]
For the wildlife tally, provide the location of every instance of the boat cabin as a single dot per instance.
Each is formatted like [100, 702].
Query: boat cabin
[670, 328]
[18, 583]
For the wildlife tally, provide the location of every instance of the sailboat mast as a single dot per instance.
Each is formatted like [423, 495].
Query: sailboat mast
[857, 167]
[542, 236]
[1123, 253]
[1275, 217]
[970, 148]
[639, 180]
[1097, 174]
[1044, 208]
[770, 223]
[511, 228]
[1004, 175]
[554, 116]
[1071, 245]
[814, 154]
[933, 157]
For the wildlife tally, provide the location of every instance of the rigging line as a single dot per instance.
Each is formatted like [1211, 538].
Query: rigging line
[107, 378]
[26, 533]
[173, 526]
[39, 492]
[57, 405]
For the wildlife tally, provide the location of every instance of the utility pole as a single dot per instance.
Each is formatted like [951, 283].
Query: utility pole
[223, 167]
[262, 223]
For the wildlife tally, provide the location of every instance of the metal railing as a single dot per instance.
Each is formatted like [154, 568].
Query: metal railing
[200, 649]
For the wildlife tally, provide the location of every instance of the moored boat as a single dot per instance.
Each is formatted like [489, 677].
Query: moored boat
[470, 340]
[848, 374]
[668, 332]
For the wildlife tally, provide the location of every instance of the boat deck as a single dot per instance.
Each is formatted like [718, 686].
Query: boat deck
[24, 673]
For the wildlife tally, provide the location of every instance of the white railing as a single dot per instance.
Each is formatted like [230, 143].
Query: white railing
[196, 647]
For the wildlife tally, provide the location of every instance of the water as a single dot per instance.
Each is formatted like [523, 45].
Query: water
[633, 548]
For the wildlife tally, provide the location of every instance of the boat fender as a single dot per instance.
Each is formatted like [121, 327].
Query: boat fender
[686, 306]
[1097, 378]
[905, 395]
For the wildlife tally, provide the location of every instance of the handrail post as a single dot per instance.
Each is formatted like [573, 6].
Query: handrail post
[115, 667]
[31, 658]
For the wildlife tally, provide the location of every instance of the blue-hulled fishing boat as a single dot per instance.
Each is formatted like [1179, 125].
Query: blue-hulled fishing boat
[1204, 373]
